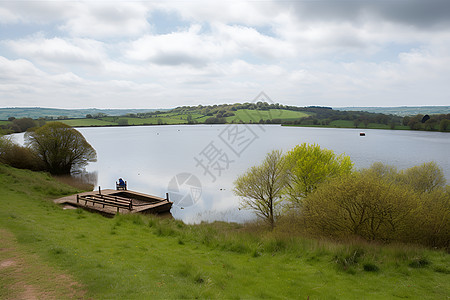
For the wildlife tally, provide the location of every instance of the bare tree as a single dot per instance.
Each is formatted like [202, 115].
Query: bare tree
[260, 188]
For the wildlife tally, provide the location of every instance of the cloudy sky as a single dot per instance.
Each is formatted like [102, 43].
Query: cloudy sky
[163, 54]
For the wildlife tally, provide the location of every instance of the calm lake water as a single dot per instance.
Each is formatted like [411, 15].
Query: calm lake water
[197, 164]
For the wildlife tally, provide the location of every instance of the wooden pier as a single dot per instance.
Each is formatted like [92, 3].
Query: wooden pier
[110, 202]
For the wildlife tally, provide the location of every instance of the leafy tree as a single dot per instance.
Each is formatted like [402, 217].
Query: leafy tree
[60, 147]
[122, 122]
[406, 120]
[361, 204]
[309, 166]
[433, 227]
[23, 124]
[444, 125]
[425, 178]
[381, 170]
[261, 187]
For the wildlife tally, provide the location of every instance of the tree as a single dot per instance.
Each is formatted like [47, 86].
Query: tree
[361, 204]
[122, 122]
[61, 148]
[424, 178]
[23, 124]
[189, 119]
[261, 187]
[444, 125]
[309, 166]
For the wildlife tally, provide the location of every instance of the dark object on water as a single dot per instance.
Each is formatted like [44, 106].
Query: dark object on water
[122, 185]
[362, 134]
[425, 118]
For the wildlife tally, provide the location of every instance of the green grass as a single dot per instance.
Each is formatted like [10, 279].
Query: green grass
[87, 122]
[143, 257]
[247, 115]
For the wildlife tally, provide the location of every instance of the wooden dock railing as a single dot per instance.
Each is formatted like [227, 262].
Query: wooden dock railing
[107, 200]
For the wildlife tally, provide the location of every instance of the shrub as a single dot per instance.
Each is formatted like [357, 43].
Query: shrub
[360, 205]
[369, 267]
[18, 157]
[419, 263]
[382, 204]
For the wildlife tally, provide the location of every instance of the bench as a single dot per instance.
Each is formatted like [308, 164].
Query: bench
[113, 201]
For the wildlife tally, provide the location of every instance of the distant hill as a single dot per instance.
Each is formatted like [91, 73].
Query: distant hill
[401, 110]
[38, 112]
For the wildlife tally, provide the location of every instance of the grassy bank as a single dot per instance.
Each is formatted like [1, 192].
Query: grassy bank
[136, 257]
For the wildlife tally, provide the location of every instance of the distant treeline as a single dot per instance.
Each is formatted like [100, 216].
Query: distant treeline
[428, 122]
[402, 110]
[20, 125]
[55, 113]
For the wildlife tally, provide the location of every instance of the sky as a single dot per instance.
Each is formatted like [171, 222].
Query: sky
[164, 54]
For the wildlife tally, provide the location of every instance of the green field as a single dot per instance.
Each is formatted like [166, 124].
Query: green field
[87, 122]
[143, 257]
[247, 115]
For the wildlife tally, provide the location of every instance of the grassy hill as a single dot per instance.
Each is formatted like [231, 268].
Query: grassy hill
[41, 112]
[170, 118]
[143, 257]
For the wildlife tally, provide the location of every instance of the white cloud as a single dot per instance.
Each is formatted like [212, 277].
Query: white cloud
[6, 16]
[103, 20]
[58, 51]
[185, 47]
[234, 12]
[106, 54]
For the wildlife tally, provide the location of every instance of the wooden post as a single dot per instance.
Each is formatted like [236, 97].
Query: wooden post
[78, 198]
[167, 196]
[99, 191]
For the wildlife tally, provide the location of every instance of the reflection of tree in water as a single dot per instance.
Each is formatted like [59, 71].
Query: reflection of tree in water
[82, 180]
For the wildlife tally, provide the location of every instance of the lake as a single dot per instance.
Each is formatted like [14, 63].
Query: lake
[197, 164]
